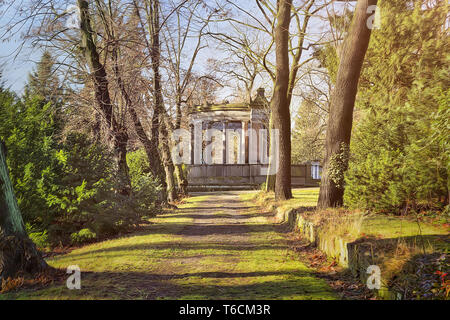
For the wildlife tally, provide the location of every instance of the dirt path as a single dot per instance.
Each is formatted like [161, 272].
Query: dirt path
[243, 256]
[218, 218]
[214, 246]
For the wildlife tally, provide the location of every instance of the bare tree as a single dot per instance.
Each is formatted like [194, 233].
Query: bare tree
[160, 122]
[315, 84]
[91, 56]
[119, 134]
[281, 101]
[183, 40]
[264, 23]
[240, 71]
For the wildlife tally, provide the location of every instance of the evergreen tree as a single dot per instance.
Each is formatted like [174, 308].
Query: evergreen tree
[43, 81]
[399, 161]
[17, 252]
[28, 128]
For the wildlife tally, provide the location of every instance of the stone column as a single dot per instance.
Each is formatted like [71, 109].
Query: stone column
[263, 145]
[191, 145]
[252, 146]
[207, 127]
[256, 127]
[198, 141]
[308, 178]
[225, 143]
[244, 142]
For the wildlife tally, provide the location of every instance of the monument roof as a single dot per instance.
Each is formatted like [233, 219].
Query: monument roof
[260, 102]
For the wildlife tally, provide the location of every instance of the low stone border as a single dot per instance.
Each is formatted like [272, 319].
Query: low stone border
[357, 255]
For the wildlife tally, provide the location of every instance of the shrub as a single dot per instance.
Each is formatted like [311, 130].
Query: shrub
[87, 196]
[40, 238]
[65, 181]
[82, 236]
[146, 188]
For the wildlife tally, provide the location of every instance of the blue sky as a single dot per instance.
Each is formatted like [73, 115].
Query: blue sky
[16, 68]
[16, 61]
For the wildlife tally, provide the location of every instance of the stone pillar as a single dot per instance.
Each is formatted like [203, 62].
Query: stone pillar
[263, 145]
[198, 142]
[244, 142]
[252, 146]
[191, 145]
[308, 177]
[225, 143]
[207, 127]
[241, 159]
[256, 127]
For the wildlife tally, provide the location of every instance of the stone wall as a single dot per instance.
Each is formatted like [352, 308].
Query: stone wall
[244, 175]
[357, 256]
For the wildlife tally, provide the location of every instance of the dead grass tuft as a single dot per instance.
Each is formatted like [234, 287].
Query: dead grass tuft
[26, 281]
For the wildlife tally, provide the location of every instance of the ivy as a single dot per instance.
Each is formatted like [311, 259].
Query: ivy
[338, 165]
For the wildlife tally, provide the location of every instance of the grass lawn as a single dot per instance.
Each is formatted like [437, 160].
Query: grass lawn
[212, 247]
[375, 225]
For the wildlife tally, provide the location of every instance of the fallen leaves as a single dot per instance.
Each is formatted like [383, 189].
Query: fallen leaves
[342, 281]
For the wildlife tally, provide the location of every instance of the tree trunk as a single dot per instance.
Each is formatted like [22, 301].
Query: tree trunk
[97, 69]
[341, 108]
[280, 102]
[17, 252]
[119, 135]
[182, 179]
[120, 152]
[159, 113]
[150, 150]
[150, 144]
[271, 178]
[164, 145]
